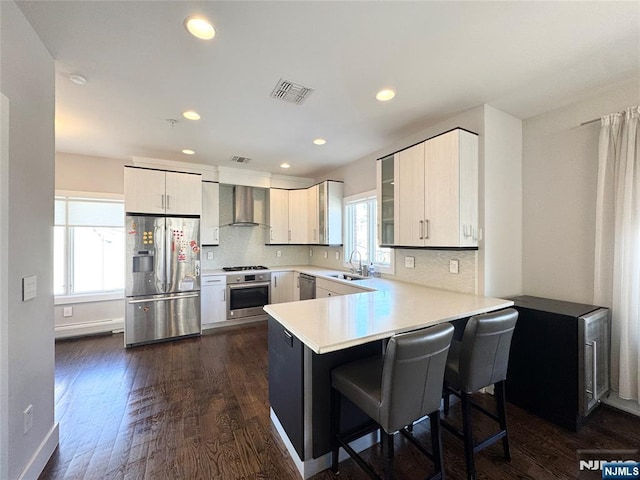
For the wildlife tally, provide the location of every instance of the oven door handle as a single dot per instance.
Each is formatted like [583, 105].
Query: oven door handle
[240, 286]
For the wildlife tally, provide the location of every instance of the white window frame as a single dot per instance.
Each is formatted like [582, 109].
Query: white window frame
[373, 231]
[72, 298]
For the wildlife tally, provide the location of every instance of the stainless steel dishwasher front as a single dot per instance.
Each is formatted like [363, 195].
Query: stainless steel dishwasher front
[307, 286]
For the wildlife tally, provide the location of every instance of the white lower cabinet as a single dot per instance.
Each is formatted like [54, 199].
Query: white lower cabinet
[213, 301]
[281, 287]
[328, 288]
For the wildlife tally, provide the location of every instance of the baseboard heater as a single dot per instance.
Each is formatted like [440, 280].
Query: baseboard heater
[115, 325]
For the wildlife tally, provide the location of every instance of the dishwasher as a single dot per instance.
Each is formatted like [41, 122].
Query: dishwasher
[307, 287]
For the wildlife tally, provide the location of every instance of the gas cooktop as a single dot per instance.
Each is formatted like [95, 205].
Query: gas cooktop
[244, 267]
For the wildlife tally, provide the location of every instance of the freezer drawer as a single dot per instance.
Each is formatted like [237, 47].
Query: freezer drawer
[161, 317]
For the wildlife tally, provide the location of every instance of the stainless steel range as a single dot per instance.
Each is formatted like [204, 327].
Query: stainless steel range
[247, 292]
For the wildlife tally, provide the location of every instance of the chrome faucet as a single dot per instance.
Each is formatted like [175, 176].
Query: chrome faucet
[353, 269]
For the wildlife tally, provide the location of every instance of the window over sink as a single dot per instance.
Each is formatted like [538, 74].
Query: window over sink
[360, 233]
[89, 241]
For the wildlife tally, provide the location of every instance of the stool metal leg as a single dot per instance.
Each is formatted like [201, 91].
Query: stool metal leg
[445, 399]
[502, 414]
[336, 400]
[436, 445]
[387, 449]
[468, 435]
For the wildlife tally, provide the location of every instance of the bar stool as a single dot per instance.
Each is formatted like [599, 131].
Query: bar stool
[394, 390]
[480, 360]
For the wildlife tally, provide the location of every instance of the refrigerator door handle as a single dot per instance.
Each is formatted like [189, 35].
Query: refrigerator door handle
[161, 277]
[162, 299]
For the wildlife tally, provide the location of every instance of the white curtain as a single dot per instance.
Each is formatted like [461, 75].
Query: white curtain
[617, 255]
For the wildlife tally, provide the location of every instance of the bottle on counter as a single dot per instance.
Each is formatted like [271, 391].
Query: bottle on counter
[372, 270]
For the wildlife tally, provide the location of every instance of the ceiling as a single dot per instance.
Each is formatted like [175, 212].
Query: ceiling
[142, 68]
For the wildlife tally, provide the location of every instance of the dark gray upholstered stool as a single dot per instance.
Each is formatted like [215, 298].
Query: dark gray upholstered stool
[480, 360]
[396, 389]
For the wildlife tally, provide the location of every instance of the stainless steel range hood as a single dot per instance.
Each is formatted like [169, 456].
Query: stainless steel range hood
[243, 215]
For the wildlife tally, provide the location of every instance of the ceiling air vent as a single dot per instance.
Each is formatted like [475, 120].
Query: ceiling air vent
[291, 92]
[238, 159]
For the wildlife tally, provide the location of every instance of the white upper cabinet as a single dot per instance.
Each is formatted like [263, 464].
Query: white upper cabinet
[210, 219]
[436, 192]
[278, 220]
[330, 197]
[312, 215]
[162, 193]
[298, 216]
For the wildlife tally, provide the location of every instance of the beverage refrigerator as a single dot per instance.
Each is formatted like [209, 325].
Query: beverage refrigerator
[162, 288]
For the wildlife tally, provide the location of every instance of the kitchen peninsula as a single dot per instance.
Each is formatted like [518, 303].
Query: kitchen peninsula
[309, 338]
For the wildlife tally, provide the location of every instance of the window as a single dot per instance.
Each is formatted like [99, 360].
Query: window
[88, 245]
[360, 233]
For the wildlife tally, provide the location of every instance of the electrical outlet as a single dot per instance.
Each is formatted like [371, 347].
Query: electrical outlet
[454, 266]
[209, 255]
[337, 255]
[67, 312]
[278, 253]
[28, 418]
[410, 262]
[326, 254]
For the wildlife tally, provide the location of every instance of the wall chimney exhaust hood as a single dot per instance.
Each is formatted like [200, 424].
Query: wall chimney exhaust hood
[243, 215]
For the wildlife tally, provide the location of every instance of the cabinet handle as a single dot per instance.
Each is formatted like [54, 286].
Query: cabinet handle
[289, 235]
[162, 200]
[298, 285]
[217, 234]
[271, 234]
[168, 203]
[426, 229]
[421, 237]
[224, 294]
[594, 370]
[275, 282]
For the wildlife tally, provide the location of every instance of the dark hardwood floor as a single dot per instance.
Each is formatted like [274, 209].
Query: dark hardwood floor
[198, 409]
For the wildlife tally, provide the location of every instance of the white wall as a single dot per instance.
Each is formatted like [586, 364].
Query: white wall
[84, 173]
[501, 205]
[560, 172]
[27, 80]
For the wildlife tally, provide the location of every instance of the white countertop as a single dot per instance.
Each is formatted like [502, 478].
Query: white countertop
[330, 324]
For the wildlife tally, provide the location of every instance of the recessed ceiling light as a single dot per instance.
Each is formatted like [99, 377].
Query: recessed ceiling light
[319, 141]
[200, 27]
[191, 115]
[77, 78]
[186, 151]
[284, 165]
[385, 95]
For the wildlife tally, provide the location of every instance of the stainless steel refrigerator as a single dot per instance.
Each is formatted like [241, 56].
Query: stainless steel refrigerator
[162, 288]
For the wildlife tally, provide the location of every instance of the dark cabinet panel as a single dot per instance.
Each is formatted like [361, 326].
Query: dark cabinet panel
[286, 382]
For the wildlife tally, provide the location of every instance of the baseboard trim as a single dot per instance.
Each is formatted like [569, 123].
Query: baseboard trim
[89, 328]
[629, 406]
[39, 460]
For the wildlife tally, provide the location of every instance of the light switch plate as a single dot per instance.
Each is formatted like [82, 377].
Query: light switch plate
[67, 312]
[326, 254]
[311, 252]
[337, 255]
[29, 287]
[410, 262]
[209, 255]
[278, 253]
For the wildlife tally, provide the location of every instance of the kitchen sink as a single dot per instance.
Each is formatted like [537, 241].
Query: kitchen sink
[352, 277]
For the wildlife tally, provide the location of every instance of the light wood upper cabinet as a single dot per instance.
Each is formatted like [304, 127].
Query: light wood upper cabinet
[210, 219]
[162, 193]
[436, 192]
[298, 216]
[312, 215]
[278, 220]
[306, 216]
[183, 193]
